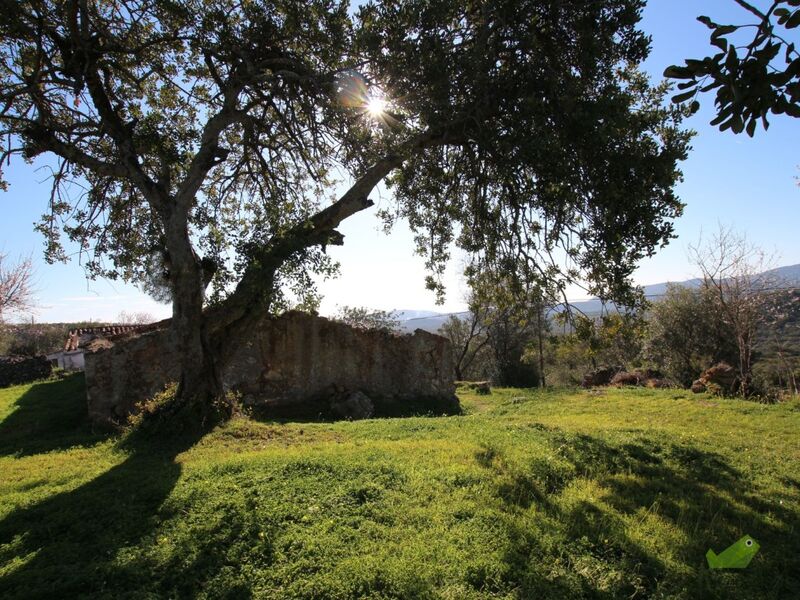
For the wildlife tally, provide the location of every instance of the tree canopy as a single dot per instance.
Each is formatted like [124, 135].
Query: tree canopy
[759, 76]
[201, 139]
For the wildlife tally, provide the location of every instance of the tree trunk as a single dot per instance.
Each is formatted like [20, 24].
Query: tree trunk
[540, 335]
[200, 400]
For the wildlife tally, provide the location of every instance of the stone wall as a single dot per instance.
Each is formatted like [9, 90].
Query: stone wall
[296, 365]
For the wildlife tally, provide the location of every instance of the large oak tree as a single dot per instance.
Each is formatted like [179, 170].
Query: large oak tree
[205, 135]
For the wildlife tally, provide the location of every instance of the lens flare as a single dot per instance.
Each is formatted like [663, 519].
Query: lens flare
[376, 106]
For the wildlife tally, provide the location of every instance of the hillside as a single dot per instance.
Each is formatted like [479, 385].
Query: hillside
[563, 494]
[431, 321]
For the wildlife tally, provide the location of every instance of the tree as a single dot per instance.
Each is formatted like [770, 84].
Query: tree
[611, 339]
[136, 318]
[766, 79]
[686, 333]
[207, 135]
[511, 315]
[735, 275]
[468, 338]
[364, 318]
[16, 287]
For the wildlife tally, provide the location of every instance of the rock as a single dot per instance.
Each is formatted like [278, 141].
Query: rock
[721, 374]
[698, 387]
[601, 376]
[479, 387]
[626, 378]
[658, 383]
[15, 370]
[720, 379]
[354, 406]
[645, 374]
[482, 388]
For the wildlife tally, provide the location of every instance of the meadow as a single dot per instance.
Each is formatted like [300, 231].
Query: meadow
[610, 493]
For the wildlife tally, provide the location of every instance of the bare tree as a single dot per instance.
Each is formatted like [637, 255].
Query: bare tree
[136, 318]
[362, 317]
[467, 336]
[16, 286]
[736, 273]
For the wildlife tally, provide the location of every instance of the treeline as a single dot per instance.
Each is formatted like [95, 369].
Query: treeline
[677, 336]
[35, 339]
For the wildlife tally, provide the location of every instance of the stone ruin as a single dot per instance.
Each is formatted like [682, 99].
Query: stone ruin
[294, 366]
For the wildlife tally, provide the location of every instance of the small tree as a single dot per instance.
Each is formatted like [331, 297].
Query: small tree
[469, 340]
[361, 317]
[686, 333]
[735, 276]
[16, 287]
[135, 318]
[612, 339]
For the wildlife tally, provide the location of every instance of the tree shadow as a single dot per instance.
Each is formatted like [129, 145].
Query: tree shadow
[51, 415]
[66, 544]
[698, 492]
[319, 410]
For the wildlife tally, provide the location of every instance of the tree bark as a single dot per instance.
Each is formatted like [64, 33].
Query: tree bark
[200, 400]
[539, 336]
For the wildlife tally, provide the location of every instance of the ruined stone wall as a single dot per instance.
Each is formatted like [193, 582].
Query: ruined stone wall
[293, 365]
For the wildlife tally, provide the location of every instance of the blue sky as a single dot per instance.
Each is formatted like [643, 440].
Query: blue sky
[748, 184]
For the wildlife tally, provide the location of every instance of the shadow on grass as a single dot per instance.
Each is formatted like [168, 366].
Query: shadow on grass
[319, 410]
[583, 549]
[66, 545]
[51, 415]
[91, 541]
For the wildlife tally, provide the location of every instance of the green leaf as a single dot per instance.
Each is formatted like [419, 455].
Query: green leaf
[793, 110]
[724, 30]
[676, 72]
[720, 43]
[731, 61]
[751, 127]
[707, 22]
[677, 99]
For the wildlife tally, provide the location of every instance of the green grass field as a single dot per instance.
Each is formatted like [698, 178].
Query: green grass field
[563, 494]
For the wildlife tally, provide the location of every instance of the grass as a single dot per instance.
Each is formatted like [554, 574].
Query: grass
[559, 494]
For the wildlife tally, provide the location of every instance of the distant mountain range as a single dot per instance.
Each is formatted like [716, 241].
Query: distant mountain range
[429, 320]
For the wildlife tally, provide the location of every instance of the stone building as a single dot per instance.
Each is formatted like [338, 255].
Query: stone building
[295, 365]
[71, 356]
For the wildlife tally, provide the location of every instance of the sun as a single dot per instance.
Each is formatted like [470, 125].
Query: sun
[376, 106]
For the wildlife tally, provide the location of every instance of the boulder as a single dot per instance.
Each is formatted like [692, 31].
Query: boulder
[721, 378]
[601, 376]
[698, 387]
[626, 378]
[482, 388]
[353, 406]
[658, 383]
